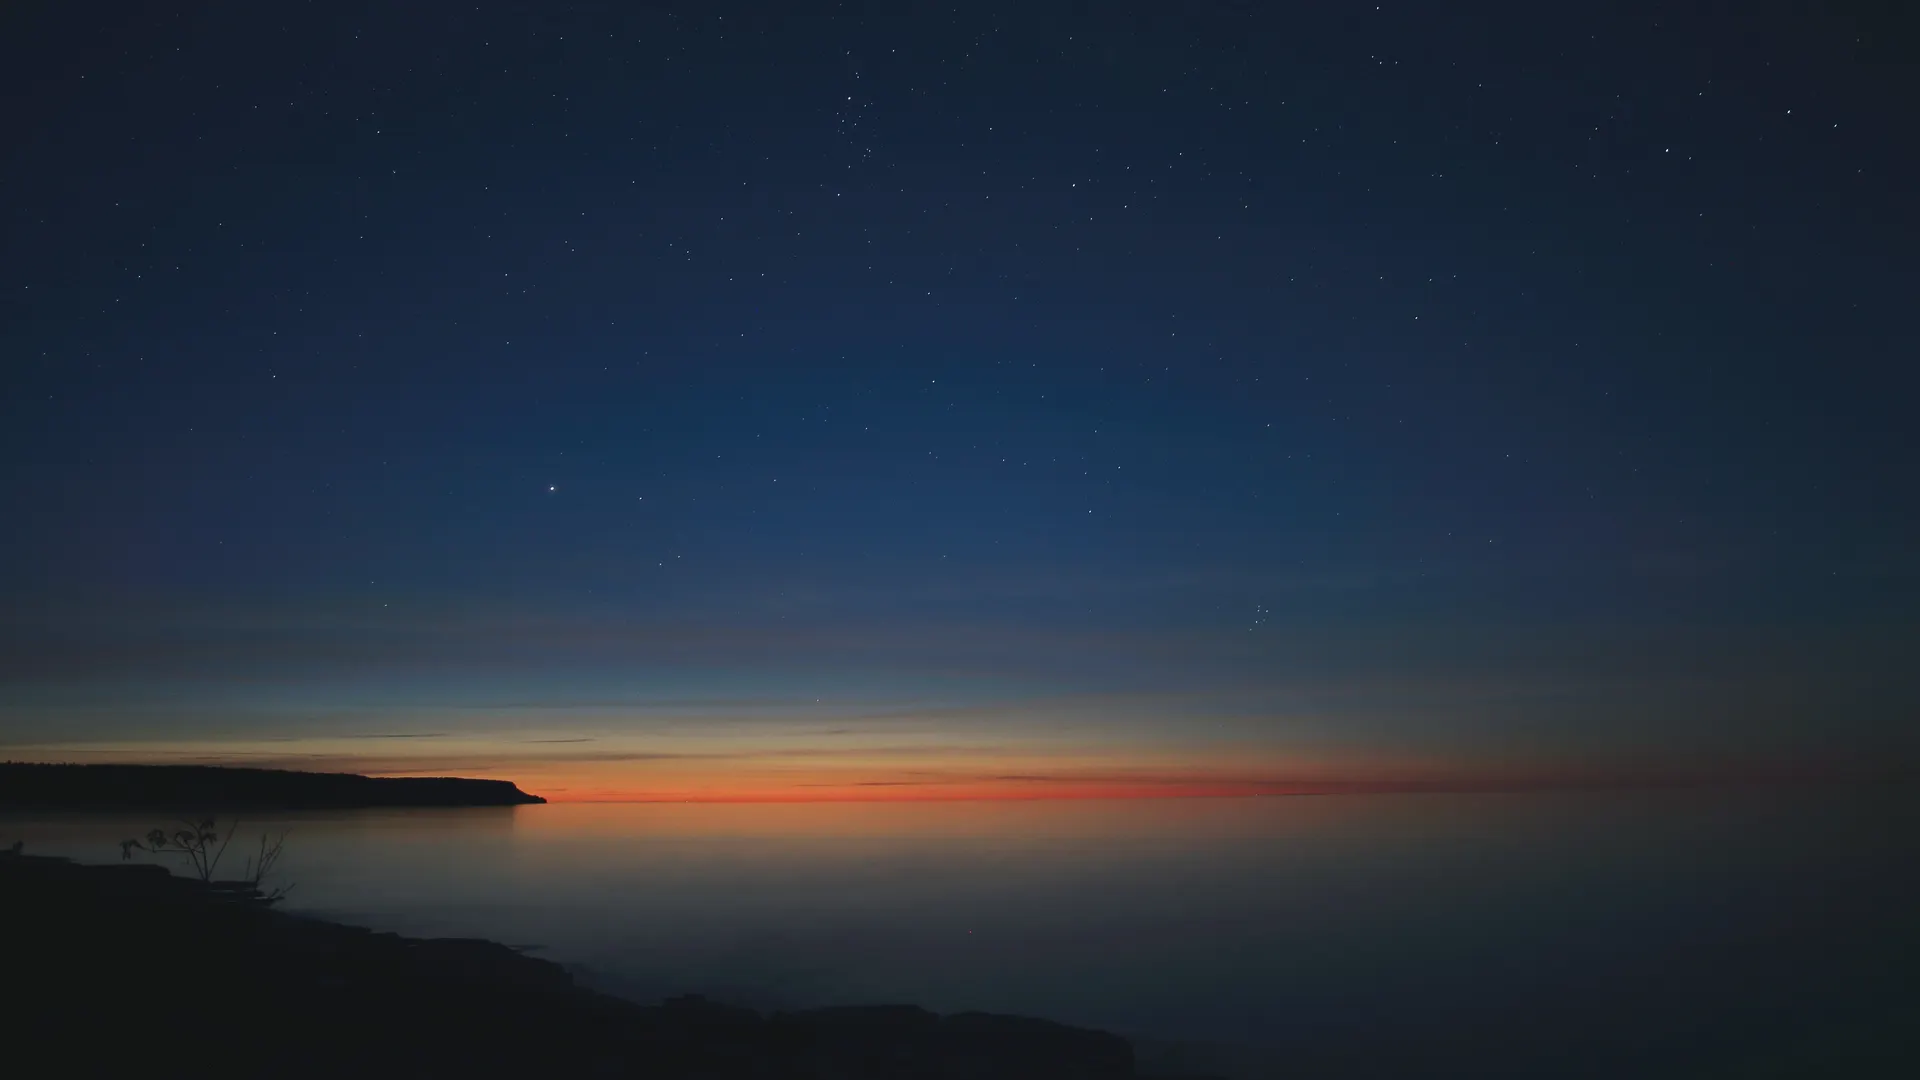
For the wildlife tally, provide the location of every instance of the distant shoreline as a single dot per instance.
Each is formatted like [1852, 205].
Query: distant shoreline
[197, 789]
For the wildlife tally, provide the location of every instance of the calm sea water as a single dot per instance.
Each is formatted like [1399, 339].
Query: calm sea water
[1679, 934]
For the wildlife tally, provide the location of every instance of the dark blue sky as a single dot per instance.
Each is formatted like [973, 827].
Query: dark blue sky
[1372, 383]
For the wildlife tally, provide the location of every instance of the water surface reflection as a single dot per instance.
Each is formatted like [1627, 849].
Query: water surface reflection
[1658, 932]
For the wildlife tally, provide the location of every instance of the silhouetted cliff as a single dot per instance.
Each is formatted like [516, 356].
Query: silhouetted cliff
[132, 971]
[198, 788]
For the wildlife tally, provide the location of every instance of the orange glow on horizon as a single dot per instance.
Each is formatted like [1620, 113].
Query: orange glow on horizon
[942, 793]
[933, 771]
[789, 770]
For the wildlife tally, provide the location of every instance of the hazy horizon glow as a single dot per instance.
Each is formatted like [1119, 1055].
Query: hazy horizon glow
[578, 708]
[905, 773]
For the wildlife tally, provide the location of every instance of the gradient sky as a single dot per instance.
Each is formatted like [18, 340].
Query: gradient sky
[1154, 399]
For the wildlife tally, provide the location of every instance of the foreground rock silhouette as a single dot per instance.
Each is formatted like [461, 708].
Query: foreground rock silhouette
[200, 788]
[129, 970]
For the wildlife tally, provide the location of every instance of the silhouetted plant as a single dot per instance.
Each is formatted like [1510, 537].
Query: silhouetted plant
[260, 864]
[196, 841]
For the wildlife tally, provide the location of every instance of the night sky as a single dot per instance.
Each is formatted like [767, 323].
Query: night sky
[907, 401]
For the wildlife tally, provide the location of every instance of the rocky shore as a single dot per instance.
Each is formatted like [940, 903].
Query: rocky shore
[130, 970]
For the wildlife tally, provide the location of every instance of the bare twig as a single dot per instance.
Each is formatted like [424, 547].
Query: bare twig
[196, 841]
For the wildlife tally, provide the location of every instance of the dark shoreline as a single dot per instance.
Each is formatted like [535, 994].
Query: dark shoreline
[136, 963]
[200, 789]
